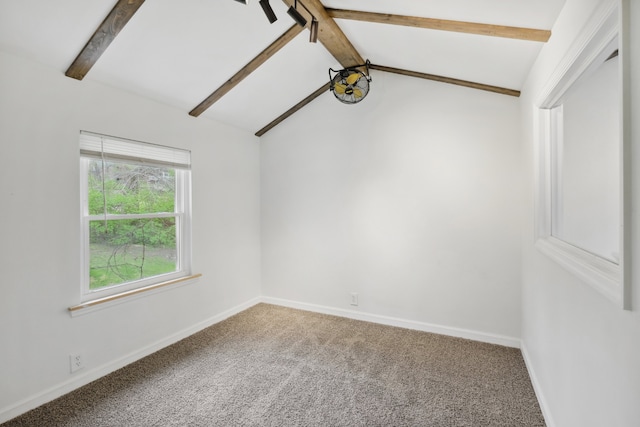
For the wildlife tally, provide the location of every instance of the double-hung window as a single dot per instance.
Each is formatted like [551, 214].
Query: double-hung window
[136, 215]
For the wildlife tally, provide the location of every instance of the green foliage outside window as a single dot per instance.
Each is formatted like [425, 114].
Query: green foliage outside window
[124, 250]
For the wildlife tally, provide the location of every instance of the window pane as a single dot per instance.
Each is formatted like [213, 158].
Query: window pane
[586, 153]
[132, 249]
[130, 188]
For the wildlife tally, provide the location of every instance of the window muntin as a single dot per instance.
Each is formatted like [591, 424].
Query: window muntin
[136, 214]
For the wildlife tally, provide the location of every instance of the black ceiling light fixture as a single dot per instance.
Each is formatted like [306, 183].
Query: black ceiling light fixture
[313, 31]
[293, 12]
[266, 7]
[302, 21]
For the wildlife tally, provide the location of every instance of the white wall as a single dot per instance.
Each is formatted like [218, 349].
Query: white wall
[41, 114]
[410, 198]
[583, 351]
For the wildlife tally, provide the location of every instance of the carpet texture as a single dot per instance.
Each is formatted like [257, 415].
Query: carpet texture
[275, 366]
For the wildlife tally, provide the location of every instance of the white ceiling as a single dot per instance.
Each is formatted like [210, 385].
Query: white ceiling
[179, 52]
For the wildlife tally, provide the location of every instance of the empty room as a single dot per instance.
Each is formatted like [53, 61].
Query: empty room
[320, 213]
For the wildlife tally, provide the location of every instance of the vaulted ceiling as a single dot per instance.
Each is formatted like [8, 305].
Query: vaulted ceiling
[222, 59]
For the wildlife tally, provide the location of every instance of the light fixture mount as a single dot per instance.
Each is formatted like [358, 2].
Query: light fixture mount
[313, 31]
[266, 7]
[297, 16]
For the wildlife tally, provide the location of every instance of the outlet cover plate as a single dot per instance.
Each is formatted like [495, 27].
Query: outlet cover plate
[354, 298]
[76, 361]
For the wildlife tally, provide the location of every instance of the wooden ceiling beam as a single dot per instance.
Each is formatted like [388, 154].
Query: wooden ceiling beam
[335, 41]
[329, 33]
[262, 57]
[529, 34]
[102, 37]
[442, 79]
[324, 88]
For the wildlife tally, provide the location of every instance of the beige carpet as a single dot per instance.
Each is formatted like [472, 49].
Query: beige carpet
[275, 366]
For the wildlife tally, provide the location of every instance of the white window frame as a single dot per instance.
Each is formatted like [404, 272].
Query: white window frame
[135, 153]
[608, 278]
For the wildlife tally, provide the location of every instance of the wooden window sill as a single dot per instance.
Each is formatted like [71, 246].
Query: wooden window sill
[121, 297]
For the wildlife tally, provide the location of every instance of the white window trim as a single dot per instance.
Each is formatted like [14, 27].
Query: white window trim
[91, 298]
[608, 278]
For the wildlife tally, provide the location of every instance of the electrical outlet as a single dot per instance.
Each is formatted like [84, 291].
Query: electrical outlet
[76, 361]
[354, 298]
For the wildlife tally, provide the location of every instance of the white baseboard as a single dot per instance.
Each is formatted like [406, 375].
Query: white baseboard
[402, 323]
[100, 371]
[544, 407]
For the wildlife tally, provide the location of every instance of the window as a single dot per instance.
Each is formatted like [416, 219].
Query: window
[135, 214]
[581, 208]
[585, 160]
